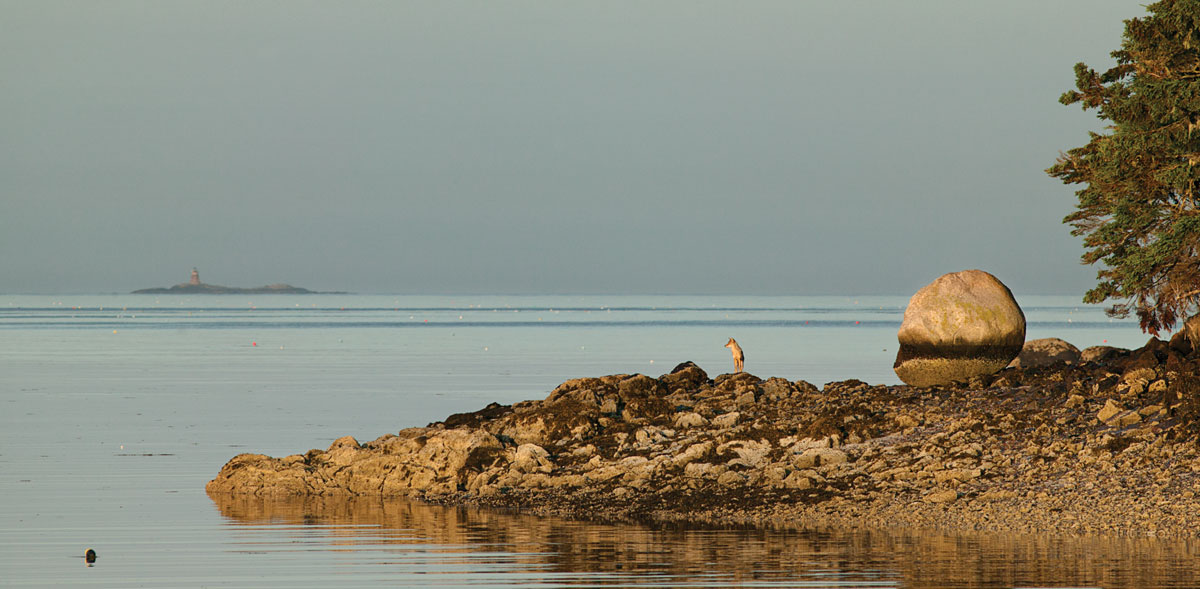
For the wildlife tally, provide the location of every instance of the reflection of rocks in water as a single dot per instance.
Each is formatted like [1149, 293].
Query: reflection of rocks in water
[725, 556]
[544, 543]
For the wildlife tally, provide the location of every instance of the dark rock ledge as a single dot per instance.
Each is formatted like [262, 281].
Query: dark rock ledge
[1107, 446]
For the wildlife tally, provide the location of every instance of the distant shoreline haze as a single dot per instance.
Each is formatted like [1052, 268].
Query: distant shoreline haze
[218, 289]
[195, 286]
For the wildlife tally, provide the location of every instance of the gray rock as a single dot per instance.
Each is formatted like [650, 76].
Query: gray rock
[1109, 411]
[819, 457]
[1143, 376]
[796, 480]
[1045, 352]
[961, 325]
[727, 420]
[1101, 354]
[749, 453]
[799, 446]
[689, 419]
[731, 479]
[692, 453]
[530, 458]
[948, 496]
[700, 470]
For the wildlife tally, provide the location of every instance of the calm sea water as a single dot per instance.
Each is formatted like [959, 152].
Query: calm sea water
[115, 410]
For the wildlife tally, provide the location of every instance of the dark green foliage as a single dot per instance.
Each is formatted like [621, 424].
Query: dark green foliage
[1139, 212]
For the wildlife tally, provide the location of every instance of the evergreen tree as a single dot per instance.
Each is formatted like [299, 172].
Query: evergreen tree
[1139, 210]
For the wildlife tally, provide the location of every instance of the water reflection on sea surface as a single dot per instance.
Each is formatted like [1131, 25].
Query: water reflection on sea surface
[408, 543]
[116, 409]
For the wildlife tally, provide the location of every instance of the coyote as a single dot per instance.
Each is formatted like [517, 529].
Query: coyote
[739, 359]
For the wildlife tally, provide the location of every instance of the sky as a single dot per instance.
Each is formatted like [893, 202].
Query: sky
[675, 147]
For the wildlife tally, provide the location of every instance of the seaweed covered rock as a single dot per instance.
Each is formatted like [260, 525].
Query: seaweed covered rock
[961, 325]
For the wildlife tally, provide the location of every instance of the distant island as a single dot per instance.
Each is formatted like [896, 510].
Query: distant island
[194, 286]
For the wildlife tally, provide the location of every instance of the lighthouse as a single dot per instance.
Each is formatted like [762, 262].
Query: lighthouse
[195, 277]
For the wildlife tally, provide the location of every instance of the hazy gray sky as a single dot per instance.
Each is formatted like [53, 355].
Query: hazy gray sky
[789, 147]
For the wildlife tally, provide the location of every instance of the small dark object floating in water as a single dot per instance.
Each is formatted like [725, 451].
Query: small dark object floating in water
[89, 556]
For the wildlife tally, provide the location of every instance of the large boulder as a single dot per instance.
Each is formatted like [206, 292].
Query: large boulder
[961, 325]
[1045, 352]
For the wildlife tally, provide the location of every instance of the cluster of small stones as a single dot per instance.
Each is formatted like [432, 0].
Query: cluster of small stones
[1108, 445]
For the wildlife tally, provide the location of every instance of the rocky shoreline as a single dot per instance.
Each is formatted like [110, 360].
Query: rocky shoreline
[1108, 445]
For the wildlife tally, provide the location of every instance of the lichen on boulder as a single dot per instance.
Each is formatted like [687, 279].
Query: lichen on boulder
[961, 325]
